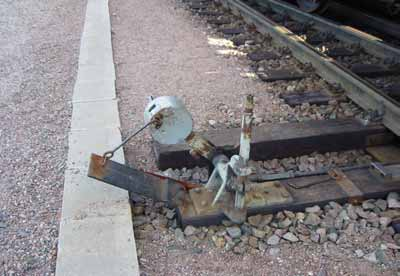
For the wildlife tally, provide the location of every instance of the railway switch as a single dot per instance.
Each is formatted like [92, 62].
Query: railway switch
[228, 189]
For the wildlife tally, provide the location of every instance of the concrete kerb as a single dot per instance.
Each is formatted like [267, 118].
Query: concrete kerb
[88, 91]
[96, 233]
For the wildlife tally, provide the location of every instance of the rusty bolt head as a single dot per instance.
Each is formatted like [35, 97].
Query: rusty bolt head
[194, 154]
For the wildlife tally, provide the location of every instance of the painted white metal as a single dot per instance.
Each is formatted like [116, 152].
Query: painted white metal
[176, 121]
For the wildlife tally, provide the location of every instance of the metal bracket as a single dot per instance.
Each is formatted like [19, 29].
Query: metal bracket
[257, 195]
[386, 174]
[151, 185]
[373, 115]
[354, 193]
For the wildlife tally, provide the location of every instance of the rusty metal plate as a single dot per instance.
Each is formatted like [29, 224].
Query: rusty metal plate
[385, 154]
[385, 174]
[202, 199]
[267, 194]
[151, 185]
[257, 195]
[352, 191]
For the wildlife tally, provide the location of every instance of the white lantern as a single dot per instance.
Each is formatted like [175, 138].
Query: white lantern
[175, 122]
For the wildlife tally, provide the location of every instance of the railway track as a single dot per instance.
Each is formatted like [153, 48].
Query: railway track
[285, 46]
[309, 188]
[279, 49]
[387, 29]
[362, 65]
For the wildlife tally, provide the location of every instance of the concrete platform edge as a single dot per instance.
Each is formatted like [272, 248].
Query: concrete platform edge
[96, 233]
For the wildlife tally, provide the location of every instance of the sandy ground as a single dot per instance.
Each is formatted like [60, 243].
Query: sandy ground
[160, 49]
[39, 47]
[159, 52]
[175, 258]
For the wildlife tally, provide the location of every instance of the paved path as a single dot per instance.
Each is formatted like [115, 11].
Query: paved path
[96, 232]
[39, 48]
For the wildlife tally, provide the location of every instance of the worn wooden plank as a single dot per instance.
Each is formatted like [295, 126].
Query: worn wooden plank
[311, 97]
[373, 70]
[318, 38]
[340, 52]
[279, 18]
[281, 74]
[218, 21]
[240, 39]
[385, 154]
[280, 141]
[209, 13]
[259, 55]
[393, 91]
[198, 6]
[231, 31]
[295, 27]
[320, 194]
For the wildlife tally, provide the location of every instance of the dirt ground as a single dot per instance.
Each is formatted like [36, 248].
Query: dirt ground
[173, 258]
[160, 49]
[39, 48]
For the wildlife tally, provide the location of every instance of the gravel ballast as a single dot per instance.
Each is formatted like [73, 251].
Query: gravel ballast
[335, 239]
[39, 42]
[161, 49]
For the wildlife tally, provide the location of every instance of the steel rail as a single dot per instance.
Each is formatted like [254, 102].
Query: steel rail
[371, 44]
[366, 19]
[358, 90]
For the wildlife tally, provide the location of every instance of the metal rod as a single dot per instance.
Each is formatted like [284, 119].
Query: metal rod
[109, 154]
[292, 174]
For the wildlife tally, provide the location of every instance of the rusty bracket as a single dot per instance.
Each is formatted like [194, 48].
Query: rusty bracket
[258, 195]
[148, 184]
[354, 193]
[385, 174]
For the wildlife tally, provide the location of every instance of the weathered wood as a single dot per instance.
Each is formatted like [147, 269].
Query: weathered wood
[373, 70]
[281, 74]
[259, 55]
[231, 31]
[279, 18]
[385, 154]
[198, 6]
[393, 91]
[240, 40]
[319, 194]
[218, 21]
[295, 27]
[280, 141]
[357, 89]
[311, 97]
[340, 52]
[318, 38]
[210, 13]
